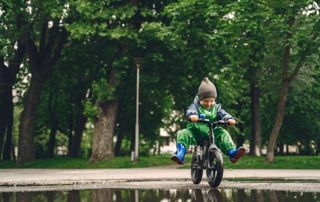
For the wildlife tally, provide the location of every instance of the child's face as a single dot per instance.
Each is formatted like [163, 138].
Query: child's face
[208, 102]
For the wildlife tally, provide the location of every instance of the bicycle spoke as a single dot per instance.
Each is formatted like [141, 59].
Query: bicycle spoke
[212, 168]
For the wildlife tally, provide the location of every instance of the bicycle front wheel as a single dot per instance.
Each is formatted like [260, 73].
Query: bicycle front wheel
[196, 169]
[214, 168]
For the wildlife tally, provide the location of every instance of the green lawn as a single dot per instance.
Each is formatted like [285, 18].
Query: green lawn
[281, 162]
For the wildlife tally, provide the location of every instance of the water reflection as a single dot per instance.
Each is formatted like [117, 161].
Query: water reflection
[123, 195]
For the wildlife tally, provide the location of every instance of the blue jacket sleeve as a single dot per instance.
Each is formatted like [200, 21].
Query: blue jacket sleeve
[223, 115]
[193, 108]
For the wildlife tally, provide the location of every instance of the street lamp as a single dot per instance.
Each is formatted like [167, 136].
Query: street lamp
[134, 157]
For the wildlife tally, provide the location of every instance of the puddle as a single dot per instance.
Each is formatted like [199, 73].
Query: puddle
[154, 195]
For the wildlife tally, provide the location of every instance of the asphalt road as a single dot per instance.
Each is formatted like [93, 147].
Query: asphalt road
[154, 178]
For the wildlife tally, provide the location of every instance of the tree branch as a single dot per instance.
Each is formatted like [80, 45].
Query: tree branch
[264, 3]
[43, 38]
[16, 61]
[112, 75]
[285, 63]
[297, 68]
[2, 62]
[32, 52]
[301, 61]
[286, 54]
[58, 46]
[53, 32]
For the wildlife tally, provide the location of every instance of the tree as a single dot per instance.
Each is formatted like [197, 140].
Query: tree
[122, 42]
[300, 123]
[11, 57]
[299, 25]
[65, 93]
[44, 36]
[244, 29]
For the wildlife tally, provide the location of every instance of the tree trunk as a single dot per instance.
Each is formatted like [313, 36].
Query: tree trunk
[6, 120]
[117, 147]
[273, 196]
[24, 196]
[122, 130]
[43, 56]
[104, 124]
[132, 142]
[77, 137]
[281, 148]
[52, 103]
[123, 119]
[257, 195]
[74, 196]
[278, 122]
[7, 79]
[255, 144]
[6, 197]
[102, 145]
[70, 132]
[102, 195]
[50, 196]
[4, 112]
[318, 146]
[8, 146]
[241, 195]
[52, 140]
[287, 78]
[26, 146]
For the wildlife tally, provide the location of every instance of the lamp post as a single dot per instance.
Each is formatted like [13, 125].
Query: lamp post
[134, 157]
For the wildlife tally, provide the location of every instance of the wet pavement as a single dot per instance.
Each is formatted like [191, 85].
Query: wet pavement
[162, 195]
[16, 180]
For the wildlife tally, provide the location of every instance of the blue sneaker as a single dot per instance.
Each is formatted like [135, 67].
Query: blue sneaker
[178, 157]
[236, 154]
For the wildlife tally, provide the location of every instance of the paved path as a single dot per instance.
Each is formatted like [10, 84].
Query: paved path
[153, 178]
[70, 176]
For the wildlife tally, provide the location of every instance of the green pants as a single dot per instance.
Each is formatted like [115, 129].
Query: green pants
[195, 133]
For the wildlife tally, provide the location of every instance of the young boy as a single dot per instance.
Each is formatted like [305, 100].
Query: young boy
[196, 132]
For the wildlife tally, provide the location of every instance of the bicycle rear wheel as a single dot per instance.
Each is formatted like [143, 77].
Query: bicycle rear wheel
[214, 168]
[196, 168]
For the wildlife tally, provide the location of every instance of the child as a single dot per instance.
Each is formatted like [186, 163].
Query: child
[194, 133]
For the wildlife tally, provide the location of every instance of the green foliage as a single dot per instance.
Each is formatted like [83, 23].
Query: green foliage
[90, 110]
[102, 90]
[180, 42]
[107, 19]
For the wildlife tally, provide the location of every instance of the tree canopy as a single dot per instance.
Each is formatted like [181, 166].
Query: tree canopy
[71, 66]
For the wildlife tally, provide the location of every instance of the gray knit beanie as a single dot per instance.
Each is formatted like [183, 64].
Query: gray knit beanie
[206, 89]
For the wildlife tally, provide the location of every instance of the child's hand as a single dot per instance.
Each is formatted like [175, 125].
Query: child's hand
[231, 122]
[194, 118]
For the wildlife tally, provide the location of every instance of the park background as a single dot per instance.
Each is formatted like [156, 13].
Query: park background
[68, 76]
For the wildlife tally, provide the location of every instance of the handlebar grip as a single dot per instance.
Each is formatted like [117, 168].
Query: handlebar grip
[204, 120]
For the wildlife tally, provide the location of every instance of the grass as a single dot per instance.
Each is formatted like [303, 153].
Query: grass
[280, 162]
[117, 162]
[247, 162]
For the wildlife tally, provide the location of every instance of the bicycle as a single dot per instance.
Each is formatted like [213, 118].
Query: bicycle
[208, 156]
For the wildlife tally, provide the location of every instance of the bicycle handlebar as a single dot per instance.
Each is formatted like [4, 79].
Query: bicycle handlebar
[215, 123]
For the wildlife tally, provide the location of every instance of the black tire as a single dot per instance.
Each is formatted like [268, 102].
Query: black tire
[196, 169]
[214, 168]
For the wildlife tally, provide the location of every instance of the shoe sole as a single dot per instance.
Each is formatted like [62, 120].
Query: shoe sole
[240, 154]
[176, 159]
